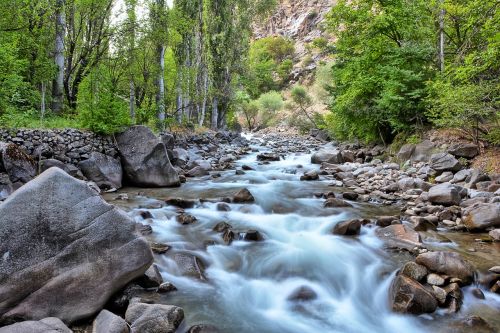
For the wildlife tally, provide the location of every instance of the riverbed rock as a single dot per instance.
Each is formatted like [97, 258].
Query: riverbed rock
[442, 162]
[482, 217]
[332, 155]
[104, 170]
[413, 270]
[348, 228]
[190, 265]
[303, 294]
[144, 158]
[46, 325]
[409, 296]
[268, 157]
[16, 163]
[465, 150]
[186, 219]
[86, 250]
[423, 151]
[243, 196]
[150, 318]
[310, 175]
[399, 236]
[181, 202]
[449, 263]
[108, 322]
[444, 194]
[336, 203]
[495, 235]
[202, 328]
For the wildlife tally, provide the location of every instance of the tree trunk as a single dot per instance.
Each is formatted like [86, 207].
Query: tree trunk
[132, 100]
[160, 94]
[58, 84]
[215, 113]
[441, 38]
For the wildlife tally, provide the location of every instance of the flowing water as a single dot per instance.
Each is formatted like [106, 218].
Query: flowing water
[249, 285]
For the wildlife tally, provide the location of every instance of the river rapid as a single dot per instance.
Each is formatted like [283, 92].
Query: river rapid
[301, 278]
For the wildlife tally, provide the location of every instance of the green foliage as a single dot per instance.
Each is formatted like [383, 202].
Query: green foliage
[269, 104]
[99, 107]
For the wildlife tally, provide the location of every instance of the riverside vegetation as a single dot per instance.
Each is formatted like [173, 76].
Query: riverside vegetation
[363, 197]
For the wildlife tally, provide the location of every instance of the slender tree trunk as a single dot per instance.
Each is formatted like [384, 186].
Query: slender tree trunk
[205, 97]
[215, 113]
[131, 5]
[132, 100]
[58, 84]
[160, 95]
[441, 37]
[42, 106]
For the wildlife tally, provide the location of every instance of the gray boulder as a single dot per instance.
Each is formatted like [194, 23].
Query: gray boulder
[108, 322]
[65, 250]
[449, 263]
[104, 170]
[152, 318]
[442, 162]
[465, 150]
[144, 158]
[483, 216]
[409, 296]
[46, 325]
[332, 155]
[423, 151]
[16, 163]
[444, 194]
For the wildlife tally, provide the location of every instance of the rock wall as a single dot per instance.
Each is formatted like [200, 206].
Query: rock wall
[65, 145]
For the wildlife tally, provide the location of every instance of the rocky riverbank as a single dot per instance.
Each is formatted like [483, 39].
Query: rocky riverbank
[90, 259]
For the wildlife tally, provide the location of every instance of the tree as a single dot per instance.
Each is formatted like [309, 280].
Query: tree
[58, 84]
[303, 101]
[269, 104]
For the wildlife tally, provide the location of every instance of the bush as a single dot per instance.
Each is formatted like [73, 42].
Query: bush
[269, 104]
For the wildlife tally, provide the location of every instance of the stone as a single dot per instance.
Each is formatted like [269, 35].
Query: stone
[385, 221]
[186, 219]
[310, 175]
[166, 287]
[336, 203]
[190, 265]
[414, 271]
[168, 140]
[446, 176]
[495, 269]
[252, 236]
[348, 228]
[405, 152]
[50, 163]
[86, 250]
[151, 279]
[108, 322]
[461, 176]
[476, 176]
[409, 296]
[478, 293]
[333, 156]
[159, 248]
[197, 171]
[482, 217]
[222, 226]
[465, 150]
[399, 236]
[435, 279]
[144, 318]
[268, 157]
[46, 325]
[16, 163]
[474, 324]
[104, 170]
[144, 158]
[444, 194]
[243, 196]
[181, 203]
[350, 196]
[303, 294]
[442, 162]
[423, 151]
[202, 328]
[449, 263]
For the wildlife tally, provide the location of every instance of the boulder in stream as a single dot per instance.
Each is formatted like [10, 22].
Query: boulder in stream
[46, 325]
[65, 250]
[20, 167]
[444, 194]
[145, 318]
[104, 170]
[450, 263]
[482, 217]
[243, 196]
[108, 322]
[144, 158]
[409, 296]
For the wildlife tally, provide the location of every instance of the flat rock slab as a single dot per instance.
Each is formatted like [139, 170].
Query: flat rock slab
[65, 250]
[399, 236]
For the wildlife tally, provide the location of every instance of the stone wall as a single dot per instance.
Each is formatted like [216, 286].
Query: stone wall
[65, 145]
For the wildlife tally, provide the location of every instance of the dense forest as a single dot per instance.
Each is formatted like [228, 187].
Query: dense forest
[389, 67]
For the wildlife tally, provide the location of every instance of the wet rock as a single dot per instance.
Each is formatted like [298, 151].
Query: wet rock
[350, 196]
[190, 265]
[223, 207]
[153, 317]
[228, 236]
[243, 196]
[202, 328]
[108, 322]
[435, 280]
[144, 229]
[348, 228]
[16, 163]
[333, 156]
[399, 236]
[474, 324]
[104, 170]
[82, 257]
[50, 163]
[181, 203]
[310, 175]
[239, 172]
[222, 226]
[144, 158]
[409, 296]
[166, 287]
[159, 248]
[478, 293]
[442, 162]
[303, 294]
[151, 279]
[146, 214]
[385, 221]
[252, 236]
[336, 203]
[186, 219]
[449, 263]
[268, 157]
[46, 325]
[414, 271]
[444, 194]
[465, 150]
[197, 171]
[495, 269]
[482, 217]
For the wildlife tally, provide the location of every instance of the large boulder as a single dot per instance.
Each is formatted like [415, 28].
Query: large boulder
[399, 236]
[444, 194]
[333, 156]
[483, 216]
[151, 318]
[449, 263]
[144, 158]
[465, 150]
[20, 167]
[108, 322]
[409, 296]
[104, 170]
[65, 250]
[423, 151]
[442, 162]
[46, 325]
